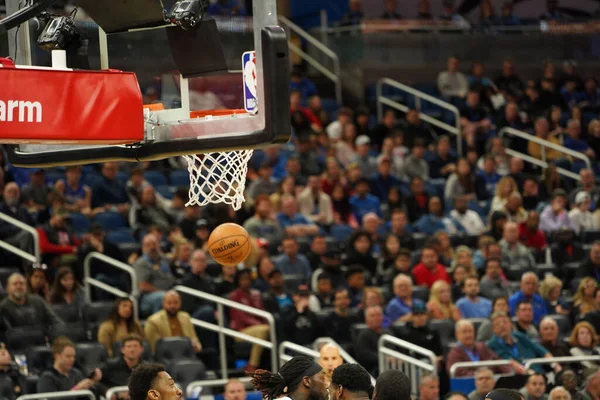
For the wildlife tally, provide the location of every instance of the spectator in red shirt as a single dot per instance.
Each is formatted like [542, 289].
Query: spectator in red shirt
[302, 117]
[428, 271]
[530, 233]
[245, 322]
[57, 243]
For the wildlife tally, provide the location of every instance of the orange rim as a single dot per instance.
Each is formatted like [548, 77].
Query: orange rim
[215, 113]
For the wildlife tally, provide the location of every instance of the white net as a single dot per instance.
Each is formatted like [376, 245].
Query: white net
[218, 177]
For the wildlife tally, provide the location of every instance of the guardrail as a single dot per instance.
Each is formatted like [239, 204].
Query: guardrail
[544, 144]
[33, 258]
[560, 360]
[115, 390]
[478, 364]
[331, 74]
[192, 386]
[90, 282]
[419, 96]
[223, 331]
[58, 395]
[390, 358]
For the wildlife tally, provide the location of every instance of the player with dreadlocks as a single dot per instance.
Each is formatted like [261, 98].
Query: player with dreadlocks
[301, 378]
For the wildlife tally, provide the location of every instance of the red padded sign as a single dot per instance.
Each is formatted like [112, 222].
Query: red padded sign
[69, 107]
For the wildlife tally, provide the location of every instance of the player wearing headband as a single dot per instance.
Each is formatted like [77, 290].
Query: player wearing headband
[301, 378]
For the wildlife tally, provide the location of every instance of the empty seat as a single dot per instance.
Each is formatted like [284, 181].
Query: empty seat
[28, 384]
[5, 273]
[180, 178]
[421, 293]
[110, 220]
[80, 223]
[121, 236]
[444, 328]
[19, 339]
[67, 312]
[184, 372]
[591, 236]
[39, 359]
[174, 348]
[90, 356]
[94, 314]
[6, 388]
[564, 325]
[156, 178]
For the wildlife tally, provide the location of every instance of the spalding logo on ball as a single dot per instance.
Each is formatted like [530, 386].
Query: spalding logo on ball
[229, 244]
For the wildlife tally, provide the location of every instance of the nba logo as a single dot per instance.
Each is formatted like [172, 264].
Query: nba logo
[250, 82]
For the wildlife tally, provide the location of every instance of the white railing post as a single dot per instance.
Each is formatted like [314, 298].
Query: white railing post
[478, 364]
[36, 257]
[115, 390]
[59, 395]
[87, 263]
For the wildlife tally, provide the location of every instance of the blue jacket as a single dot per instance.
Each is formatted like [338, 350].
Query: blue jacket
[537, 301]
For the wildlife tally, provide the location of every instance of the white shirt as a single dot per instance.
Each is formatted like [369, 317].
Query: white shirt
[470, 220]
[581, 220]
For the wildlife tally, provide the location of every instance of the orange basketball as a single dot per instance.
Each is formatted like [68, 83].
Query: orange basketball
[229, 244]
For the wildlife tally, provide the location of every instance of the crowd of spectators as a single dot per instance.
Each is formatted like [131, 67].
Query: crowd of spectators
[358, 229]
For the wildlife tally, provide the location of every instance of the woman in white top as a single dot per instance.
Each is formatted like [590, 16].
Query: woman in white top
[300, 378]
[580, 215]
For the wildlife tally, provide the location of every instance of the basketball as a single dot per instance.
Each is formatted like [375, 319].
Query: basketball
[229, 244]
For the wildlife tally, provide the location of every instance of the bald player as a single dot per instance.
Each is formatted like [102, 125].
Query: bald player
[330, 358]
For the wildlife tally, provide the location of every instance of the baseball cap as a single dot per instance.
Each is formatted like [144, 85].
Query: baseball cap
[581, 197]
[419, 308]
[362, 140]
[302, 290]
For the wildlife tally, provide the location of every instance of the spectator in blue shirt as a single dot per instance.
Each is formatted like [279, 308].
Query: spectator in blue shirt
[471, 305]
[292, 221]
[109, 193]
[572, 96]
[399, 309]
[574, 141]
[298, 82]
[516, 346]
[486, 179]
[292, 263]
[364, 202]
[528, 292]
[383, 181]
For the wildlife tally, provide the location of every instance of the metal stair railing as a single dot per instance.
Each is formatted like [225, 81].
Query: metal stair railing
[419, 96]
[223, 331]
[33, 258]
[414, 368]
[332, 74]
[544, 144]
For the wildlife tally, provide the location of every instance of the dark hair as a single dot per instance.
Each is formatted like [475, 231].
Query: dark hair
[57, 296]
[60, 344]
[323, 277]
[523, 302]
[392, 385]
[239, 274]
[559, 193]
[505, 394]
[354, 269]
[272, 385]
[352, 377]
[499, 298]
[142, 380]
[132, 338]
[273, 273]
[495, 259]
[357, 235]
[116, 318]
[403, 252]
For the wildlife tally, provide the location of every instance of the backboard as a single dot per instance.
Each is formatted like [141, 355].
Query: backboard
[225, 63]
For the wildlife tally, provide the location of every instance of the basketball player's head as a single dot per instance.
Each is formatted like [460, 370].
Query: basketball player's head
[152, 382]
[392, 385]
[300, 377]
[349, 381]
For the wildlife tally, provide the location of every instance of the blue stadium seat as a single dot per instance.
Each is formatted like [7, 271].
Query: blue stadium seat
[110, 220]
[80, 223]
[53, 175]
[462, 385]
[156, 178]
[121, 236]
[180, 178]
[164, 191]
[92, 179]
[341, 232]
[123, 177]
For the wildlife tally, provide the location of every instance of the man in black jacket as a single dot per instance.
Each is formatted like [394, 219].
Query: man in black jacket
[418, 333]
[117, 370]
[341, 319]
[300, 324]
[366, 344]
[11, 205]
[591, 266]
[20, 310]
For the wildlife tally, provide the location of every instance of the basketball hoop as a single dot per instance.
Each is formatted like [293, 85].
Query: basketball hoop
[218, 177]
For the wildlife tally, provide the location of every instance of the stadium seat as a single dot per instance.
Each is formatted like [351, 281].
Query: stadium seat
[39, 359]
[53, 175]
[5, 273]
[6, 388]
[156, 178]
[421, 293]
[564, 324]
[591, 236]
[90, 356]
[123, 177]
[477, 323]
[67, 312]
[146, 355]
[355, 330]
[173, 348]
[91, 179]
[20, 339]
[444, 328]
[186, 371]
[80, 223]
[341, 232]
[292, 282]
[93, 315]
[544, 269]
[180, 178]
[164, 191]
[121, 236]
[110, 220]
[29, 384]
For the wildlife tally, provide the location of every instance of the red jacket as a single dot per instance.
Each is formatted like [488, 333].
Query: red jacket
[458, 354]
[537, 239]
[425, 277]
[240, 320]
[48, 247]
